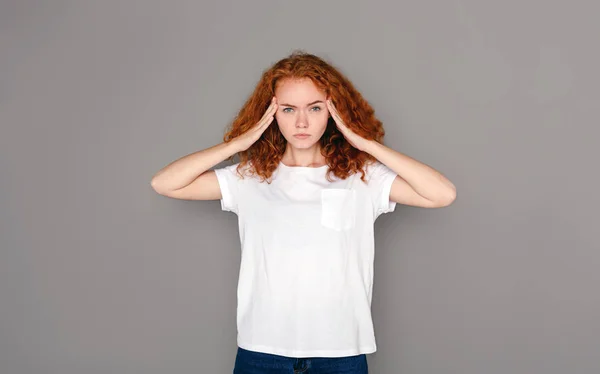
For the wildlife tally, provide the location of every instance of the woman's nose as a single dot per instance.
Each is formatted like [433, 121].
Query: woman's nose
[301, 120]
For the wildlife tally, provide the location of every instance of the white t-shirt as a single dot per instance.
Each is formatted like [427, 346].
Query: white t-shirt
[307, 253]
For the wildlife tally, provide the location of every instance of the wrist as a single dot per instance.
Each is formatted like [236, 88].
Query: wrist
[231, 148]
[371, 146]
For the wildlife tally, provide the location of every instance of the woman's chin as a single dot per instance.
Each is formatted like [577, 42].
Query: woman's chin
[300, 144]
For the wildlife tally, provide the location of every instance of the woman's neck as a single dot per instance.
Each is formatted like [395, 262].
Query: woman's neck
[303, 157]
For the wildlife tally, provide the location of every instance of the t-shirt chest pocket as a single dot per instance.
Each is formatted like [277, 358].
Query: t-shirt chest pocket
[338, 208]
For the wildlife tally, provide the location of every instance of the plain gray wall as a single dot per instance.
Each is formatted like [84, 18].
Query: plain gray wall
[99, 274]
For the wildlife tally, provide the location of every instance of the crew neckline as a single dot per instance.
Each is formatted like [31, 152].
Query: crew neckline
[284, 166]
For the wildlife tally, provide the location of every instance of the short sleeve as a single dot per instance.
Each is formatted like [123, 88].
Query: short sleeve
[229, 182]
[380, 179]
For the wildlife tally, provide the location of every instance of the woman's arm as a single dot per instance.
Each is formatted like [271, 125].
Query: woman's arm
[189, 177]
[417, 184]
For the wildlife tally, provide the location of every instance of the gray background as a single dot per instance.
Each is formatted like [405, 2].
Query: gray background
[99, 274]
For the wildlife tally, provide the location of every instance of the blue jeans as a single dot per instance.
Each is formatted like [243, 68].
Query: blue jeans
[250, 362]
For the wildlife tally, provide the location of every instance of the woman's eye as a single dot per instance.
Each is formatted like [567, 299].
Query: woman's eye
[288, 110]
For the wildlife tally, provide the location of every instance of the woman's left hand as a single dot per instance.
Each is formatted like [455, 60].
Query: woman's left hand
[355, 140]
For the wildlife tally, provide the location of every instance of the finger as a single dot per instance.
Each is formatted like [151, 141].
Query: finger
[267, 123]
[335, 113]
[273, 107]
[338, 119]
[269, 112]
[271, 103]
[332, 109]
[269, 116]
[330, 103]
[272, 110]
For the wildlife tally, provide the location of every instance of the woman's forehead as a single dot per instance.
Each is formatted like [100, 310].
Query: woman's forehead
[303, 91]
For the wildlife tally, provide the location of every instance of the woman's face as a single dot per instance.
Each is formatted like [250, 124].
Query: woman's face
[301, 110]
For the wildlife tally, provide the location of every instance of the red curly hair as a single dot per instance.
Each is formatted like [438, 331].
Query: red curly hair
[342, 158]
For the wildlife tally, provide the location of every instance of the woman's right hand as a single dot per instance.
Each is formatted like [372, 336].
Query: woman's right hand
[244, 141]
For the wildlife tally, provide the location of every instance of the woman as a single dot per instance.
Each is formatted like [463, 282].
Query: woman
[307, 191]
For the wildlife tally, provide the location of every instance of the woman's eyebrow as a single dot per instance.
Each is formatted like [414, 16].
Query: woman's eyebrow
[309, 104]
